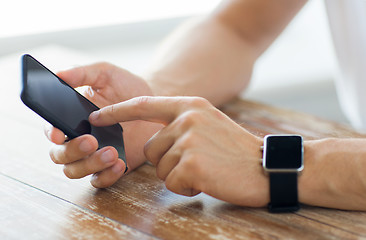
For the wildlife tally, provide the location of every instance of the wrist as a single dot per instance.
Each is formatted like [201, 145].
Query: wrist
[318, 184]
[334, 174]
[308, 184]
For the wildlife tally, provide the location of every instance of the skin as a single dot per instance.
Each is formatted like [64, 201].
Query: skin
[213, 57]
[79, 156]
[195, 147]
[237, 50]
[197, 135]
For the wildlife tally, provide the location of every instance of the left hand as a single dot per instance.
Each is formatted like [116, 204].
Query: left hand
[200, 149]
[107, 84]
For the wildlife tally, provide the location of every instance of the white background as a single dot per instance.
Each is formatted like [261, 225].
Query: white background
[296, 72]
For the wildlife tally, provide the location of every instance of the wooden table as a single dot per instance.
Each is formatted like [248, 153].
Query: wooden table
[38, 202]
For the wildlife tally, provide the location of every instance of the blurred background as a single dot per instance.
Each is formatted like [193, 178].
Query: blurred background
[297, 71]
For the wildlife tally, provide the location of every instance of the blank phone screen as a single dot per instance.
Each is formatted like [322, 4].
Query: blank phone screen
[64, 107]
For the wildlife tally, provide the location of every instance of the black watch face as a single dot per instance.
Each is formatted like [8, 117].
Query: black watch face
[283, 152]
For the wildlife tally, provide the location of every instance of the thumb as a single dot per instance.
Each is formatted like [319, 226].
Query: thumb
[96, 75]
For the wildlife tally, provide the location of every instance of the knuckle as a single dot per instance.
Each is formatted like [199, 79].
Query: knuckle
[142, 101]
[111, 113]
[187, 140]
[103, 65]
[186, 176]
[193, 116]
[160, 174]
[193, 164]
[170, 186]
[171, 183]
[105, 70]
[199, 102]
[189, 118]
[178, 182]
[107, 111]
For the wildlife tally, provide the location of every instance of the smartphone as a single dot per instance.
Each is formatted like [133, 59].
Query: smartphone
[64, 107]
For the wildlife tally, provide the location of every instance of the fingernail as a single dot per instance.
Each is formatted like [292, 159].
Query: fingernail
[47, 128]
[107, 156]
[85, 146]
[48, 131]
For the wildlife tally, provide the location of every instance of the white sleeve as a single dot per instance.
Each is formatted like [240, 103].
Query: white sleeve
[347, 19]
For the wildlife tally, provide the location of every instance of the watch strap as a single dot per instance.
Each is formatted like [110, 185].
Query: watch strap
[283, 192]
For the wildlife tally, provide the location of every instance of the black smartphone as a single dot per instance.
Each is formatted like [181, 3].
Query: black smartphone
[62, 106]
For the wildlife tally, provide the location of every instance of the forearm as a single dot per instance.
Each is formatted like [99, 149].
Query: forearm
[203, 58]
[334, 174]
[214, 57]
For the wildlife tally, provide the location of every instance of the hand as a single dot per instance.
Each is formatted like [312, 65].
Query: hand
[200, 149]
[108, 84]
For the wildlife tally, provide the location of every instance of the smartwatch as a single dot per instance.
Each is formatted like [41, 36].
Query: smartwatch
[283, 160]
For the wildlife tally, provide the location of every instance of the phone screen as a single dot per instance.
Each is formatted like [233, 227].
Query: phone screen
[62, 106]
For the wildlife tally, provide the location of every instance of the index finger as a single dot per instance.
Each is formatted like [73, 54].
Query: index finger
[154, 109]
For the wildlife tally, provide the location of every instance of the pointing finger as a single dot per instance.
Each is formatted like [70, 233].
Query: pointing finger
[154, 109]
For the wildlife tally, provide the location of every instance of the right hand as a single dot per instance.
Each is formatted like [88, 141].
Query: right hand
[200, 149]
[108, 85]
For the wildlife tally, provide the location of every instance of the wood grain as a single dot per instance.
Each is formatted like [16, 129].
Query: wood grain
[264, 119]
[28, 213]
[39, 202]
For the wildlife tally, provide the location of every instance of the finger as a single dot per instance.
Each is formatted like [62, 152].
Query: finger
[109, 176]
[176, 133]
[95, 75]
[155, 109]
[171, 158]
[159, 144]
[53, 134]
[167, 163]
[184, 177]
[181, 182]
[74, 150]
[96, 162]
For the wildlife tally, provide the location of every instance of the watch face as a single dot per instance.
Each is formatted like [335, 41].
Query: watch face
[283, 152]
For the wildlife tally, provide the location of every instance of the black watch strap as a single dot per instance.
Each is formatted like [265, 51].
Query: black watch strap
[283, 191]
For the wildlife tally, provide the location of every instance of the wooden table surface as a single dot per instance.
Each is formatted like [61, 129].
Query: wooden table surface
[38, 202]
